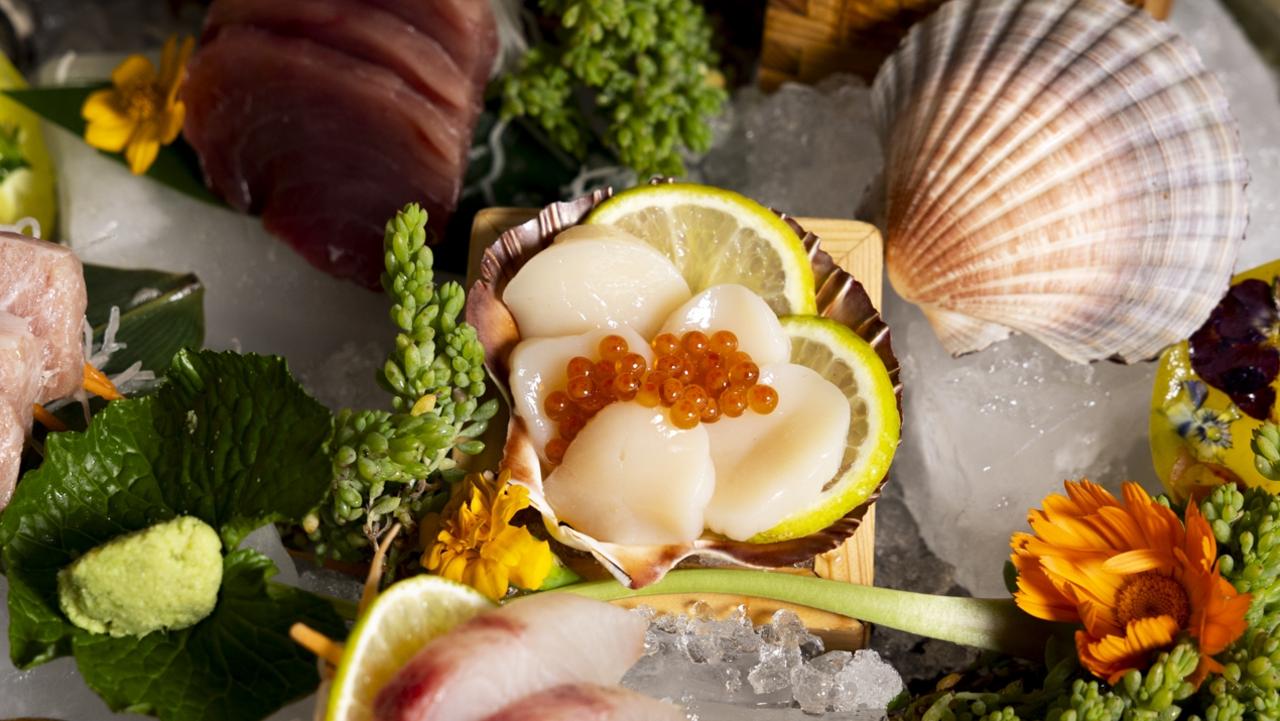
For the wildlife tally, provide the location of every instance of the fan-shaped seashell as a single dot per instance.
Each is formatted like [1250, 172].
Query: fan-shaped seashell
[1063, 168]
[839, 297]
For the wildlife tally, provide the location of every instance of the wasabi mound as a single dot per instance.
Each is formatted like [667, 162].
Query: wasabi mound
[165, 577]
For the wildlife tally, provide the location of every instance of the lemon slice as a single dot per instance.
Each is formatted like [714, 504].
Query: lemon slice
[849, 362]
[26, 190]
[715, 237]
[394, 628]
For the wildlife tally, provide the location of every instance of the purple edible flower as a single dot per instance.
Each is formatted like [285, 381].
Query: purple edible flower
[1236, 351]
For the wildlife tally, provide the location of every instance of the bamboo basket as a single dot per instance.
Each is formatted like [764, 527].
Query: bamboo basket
[857, 247]
[807, 40]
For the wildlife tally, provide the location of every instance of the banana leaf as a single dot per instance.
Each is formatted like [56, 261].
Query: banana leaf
[160, 314]
[176, 166]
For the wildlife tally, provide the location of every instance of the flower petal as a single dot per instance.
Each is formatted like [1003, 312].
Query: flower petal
[133, 70]
[141, 153]
[103, 106]
[1135, 561]
[111, 137]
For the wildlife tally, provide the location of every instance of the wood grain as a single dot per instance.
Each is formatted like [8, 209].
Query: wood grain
[807, 40]
[858, 248]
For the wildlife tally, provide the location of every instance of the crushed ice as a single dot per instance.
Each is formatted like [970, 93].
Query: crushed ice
[729, 669]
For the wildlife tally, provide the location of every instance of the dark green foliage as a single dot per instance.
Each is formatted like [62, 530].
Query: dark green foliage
[639, 70]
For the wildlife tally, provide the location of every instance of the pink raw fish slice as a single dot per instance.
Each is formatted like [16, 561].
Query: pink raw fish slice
[526, 647]
[587, 702]
[271, 115]
[43, 283]
[367, 33]
[21, 373]
[12, 436]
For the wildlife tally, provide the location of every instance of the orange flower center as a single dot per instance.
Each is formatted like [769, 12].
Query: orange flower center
[1148, 595]
[142, 101]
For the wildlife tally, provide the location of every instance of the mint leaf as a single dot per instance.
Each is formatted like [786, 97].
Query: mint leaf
[238, 663]
[231, 439]
[247, 445]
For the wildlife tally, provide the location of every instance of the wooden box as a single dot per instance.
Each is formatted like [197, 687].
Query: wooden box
[858, 248]
[807, 40]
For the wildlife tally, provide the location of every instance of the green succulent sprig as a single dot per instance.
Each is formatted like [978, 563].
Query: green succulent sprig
[640, 72]
[1266, 450]
[394, 466]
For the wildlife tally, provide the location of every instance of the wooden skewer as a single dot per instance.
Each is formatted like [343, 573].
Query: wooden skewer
[374, 578]
[316, 642]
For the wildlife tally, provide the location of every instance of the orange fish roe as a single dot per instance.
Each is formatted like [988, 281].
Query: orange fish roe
[699, 378]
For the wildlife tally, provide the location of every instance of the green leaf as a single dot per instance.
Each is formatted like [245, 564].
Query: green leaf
[160, 313]
[239, 663]
[247, 445]
[176, 166]
[231, 439]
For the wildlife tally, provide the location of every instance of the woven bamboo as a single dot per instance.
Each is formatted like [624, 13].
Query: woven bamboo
[807, 40]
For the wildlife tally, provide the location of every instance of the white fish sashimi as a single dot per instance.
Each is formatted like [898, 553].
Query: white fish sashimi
[539, 367]
[590, 283]
[631, 477]
[586, 702]
[528, 646]
[771, 466]
[738, 309]
[44, 283]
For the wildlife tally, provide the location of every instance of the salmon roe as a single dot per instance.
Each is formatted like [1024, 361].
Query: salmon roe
[696, 377]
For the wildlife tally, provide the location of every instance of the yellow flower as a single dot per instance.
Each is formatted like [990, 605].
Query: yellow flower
[1132, 574]
[477, 545]
[141, 111]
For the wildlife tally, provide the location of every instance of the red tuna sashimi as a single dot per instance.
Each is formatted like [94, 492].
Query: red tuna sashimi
[466, 28]
[21, 376]
[526, 647]
[587, 702]
[325, 146]
[43, 283]
[365, 32]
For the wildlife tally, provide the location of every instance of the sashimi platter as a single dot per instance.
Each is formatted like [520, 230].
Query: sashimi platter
[506, 360]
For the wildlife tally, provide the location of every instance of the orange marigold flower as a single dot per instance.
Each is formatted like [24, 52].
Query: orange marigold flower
[1132, 574]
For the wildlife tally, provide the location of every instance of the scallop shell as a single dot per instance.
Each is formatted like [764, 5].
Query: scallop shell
[1063, 168]
[839, 296]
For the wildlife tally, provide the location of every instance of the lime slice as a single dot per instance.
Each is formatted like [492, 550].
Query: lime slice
[848, 361]
[394, 628]
[26, 186]
[716, 236]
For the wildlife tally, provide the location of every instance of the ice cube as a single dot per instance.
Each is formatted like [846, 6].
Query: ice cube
[806, 150]
[818, 684]
[874, 684]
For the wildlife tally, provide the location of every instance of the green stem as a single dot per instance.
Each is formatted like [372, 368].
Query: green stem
[993, 624]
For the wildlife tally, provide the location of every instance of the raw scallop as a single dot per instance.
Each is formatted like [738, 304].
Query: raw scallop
[539, 366]
[735, 308]
[771, 466]
[632, 477]
[527, 646]
[587, 702]
[43, 283]
[607, 282]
